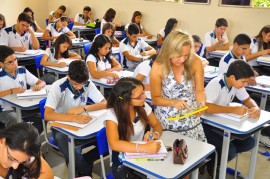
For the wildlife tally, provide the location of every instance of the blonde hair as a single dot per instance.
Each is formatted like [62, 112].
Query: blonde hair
[172, 46]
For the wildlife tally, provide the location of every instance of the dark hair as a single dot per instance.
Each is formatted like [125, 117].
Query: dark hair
[196, 38]
[240, 69]
[109, 15]
[120, 99]
[221, 22]
[87, 8]
[259, 37]
[25, 17]
[242, 39]
[63, 8]
[24, 137]
[33, 24]
[2, 18]
[60, 40]
[64, 18]
[133, 29]
[78, 71]
[135, 14]
[99, 42]
[5, 51]
[169, 26]
[107, 26]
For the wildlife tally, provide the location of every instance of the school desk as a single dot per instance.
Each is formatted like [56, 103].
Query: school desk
[264, 60]
[22, 57]
[210, 72]
[152, 41]
[80, 29]
[264, 91]
[57, 70]
[197, 152]
[218, 53]
[246, 126]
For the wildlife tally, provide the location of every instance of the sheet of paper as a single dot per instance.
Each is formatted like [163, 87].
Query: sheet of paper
[28, 52]
[32, 94]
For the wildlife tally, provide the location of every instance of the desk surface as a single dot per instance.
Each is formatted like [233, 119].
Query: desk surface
[21, 57]
[264, 60]
[218, 53]
[57, 69]
[82, 28]
[246, 126]
[210, 72]
[166, 168]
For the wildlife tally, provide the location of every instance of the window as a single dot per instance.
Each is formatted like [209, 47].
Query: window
[246, 3]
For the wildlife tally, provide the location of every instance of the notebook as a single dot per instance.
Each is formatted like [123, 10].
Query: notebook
[263, 80]
[30, 94]
[161, 154]
[66, 60]
[233, 117]
[28, 52]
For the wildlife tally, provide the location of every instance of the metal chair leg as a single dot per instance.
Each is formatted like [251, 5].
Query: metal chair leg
[236, 165]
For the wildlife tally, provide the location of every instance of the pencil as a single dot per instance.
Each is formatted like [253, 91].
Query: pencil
[86, 111]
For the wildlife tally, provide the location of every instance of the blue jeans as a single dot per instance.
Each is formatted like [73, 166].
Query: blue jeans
[83, 163]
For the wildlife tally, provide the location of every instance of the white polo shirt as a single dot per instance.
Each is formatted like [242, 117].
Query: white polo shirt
[226, 60]
[100, 65]
[162, 33]
[51, 53]
[62, 98]
[103, 21]
[144, 69]
[11, 38]
[136, 50]
[217, 92]
[8, 81]
[254, 47]
[80, 19]
[54, 32]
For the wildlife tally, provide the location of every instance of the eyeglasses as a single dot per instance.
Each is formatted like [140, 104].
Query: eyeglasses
[13, 160]
[11, 62]
[141, 97]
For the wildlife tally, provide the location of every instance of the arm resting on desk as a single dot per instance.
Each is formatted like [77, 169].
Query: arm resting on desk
[254, 110]
[250, 56]
[213, 109]
[131, 57]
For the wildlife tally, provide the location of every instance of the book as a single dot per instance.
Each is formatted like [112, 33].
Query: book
[263, 80]
[189, 113]
[66, 60]
[233, 117]
[162, 153]
[30, 94]
[28, 52]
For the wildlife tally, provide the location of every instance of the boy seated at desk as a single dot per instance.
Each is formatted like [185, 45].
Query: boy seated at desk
[20, 37]
[66, 101]
[219, 93]
[84, 18]
[133, 49]
[13, 79]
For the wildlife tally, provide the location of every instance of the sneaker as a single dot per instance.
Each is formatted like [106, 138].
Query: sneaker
[265, 140]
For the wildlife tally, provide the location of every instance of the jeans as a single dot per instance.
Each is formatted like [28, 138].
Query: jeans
[236, 145]
[83, 163]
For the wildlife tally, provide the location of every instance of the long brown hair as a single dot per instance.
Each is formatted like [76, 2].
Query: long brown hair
[259, 37]
[120, 99]
[135, 14]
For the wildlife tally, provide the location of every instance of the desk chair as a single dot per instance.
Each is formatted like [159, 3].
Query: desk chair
[37, 63]
[47, 22]
[97, 31]
[70, 25]
[86, 48]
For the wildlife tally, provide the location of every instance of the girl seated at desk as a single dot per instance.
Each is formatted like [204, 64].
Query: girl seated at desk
[53, 30]
[127, 118]
[2, 22]
[136, 18]
[109, 17]
[99, 59]
[170, 26]
[54, 15]
[52, 55]
[109, 30]
[34, 24]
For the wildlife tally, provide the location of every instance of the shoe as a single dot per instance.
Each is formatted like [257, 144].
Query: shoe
[265, 140]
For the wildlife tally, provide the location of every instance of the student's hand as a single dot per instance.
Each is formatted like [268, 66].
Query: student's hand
[180, 104]
[82, 119]
[254, 112]
[150, 136]
[21, 49]
[114, 75]
[144, 53]
[200, 105]
[150, 147]
[221, 40]
[18, 90]
[252, 81]
[149, 36]
[37, 87]
[76, 111]
[240, 110]
[61, 64]
[117, 24]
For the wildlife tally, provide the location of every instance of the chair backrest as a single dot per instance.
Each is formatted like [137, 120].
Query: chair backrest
[42, 107]
[102, 141]
[86, 47]
[47, 22]
[97, 31]
[70, 25]
[37, 61]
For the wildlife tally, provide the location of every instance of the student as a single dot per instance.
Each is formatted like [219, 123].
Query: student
[66, 101]
[109, 30]
[99, 60]
[20, 153]
[219, 93]
[198, 49]
[170, 26]
[260, 45]
[131, 48]
[52, 55]
[13, 80]
[53, 30]
[142, 71]
[136, 18]
[241, 44]
[54, 15]
[109, 17]
[2, 26]
[177, 85]
[35, 27]
[20, 36]
[126, 121]
[216, 39]
[84, 18]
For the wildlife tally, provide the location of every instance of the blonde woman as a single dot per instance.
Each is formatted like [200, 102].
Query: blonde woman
[177, 85]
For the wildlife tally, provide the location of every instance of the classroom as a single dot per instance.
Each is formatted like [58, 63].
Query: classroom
[182, 69]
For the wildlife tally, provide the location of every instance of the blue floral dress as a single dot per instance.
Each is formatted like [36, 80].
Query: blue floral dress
[189, 126]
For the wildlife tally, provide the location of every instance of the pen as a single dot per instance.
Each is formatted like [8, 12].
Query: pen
[86, 111]
[147, 159]
[150, 137]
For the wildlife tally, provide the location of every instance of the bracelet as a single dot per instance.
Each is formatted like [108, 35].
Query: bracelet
[158, 135]
[137, 148]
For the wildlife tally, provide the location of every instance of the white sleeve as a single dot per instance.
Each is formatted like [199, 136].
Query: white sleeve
[126, 27]
[144, 68]
[242, 94]
[54, 96]
[94, 94]
[48, 52]
[49, 27]
[30, 78]
[110, 116]
[91, 58]
[212, 91]
[147, 109]
[144, 45]
[162, 33]
[123, 47]
[76, 19]
[4, 38]
[207, 40]
[66, 30]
